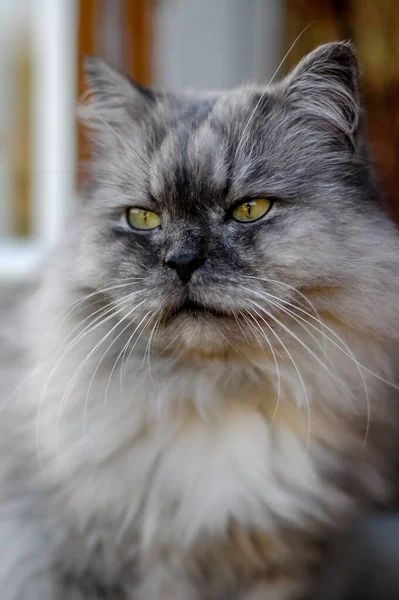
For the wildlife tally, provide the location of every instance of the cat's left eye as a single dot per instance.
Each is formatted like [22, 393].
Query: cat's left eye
[139, 218]
[251, 210]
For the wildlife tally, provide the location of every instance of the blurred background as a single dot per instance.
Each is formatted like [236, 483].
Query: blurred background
[167, 43]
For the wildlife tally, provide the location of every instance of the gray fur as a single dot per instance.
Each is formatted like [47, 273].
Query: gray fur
[143, 455]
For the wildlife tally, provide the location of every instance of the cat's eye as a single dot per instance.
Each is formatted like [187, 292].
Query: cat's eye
[139, 218]
[251, 210]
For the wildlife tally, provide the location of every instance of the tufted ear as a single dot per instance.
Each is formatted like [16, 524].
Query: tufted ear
[324, 86]
[112, 98]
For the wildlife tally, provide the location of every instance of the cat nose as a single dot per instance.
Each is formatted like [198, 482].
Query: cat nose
[185, 264]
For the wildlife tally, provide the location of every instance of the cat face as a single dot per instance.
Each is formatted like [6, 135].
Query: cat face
[214, 211]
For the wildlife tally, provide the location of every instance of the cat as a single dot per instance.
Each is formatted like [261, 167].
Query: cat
[200, 392]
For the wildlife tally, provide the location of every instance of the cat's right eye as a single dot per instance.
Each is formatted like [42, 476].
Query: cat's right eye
[139, 218]
[251, 210]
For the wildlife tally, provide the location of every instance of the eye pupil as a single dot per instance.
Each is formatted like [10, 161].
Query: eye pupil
[251, 210]
[139, 218]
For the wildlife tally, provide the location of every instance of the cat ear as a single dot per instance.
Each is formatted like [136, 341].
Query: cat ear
[324, 86]
[112, 98]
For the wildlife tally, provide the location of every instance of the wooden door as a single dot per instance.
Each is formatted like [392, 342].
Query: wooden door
[374, 28]
[121, 32]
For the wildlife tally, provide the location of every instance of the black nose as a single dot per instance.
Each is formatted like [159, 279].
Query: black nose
[185, 264]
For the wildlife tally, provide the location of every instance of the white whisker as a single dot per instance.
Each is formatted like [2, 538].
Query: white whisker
[123, 355]
[127, 316]
[297, 338]
[294, 317]
[324, 326]
[148, 348]
[111, 314]
[251, 116]
[237, 320]
[76, 303]
[277, 371]
[298, 318]
[293, 363]
[293, 289]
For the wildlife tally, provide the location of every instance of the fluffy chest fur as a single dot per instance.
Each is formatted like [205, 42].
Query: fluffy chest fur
[224, 499]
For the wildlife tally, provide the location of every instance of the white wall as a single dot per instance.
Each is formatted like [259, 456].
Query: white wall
[54, 42]
[52, 27]
[217, 43]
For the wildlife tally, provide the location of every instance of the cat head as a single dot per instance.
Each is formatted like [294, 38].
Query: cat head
[210, 213]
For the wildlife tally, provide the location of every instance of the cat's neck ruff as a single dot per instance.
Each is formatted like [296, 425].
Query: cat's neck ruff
[201, 442]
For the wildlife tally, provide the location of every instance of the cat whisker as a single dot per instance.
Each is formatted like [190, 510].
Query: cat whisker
[251, 116]
[172, 341]
[63, 352]
[297, 318]
[254, 328]
[108, 311]
[106, 288]
[175, 350]
[98, 314]
[122, 355]
[99, 321]
[297, 293]
[293, 289]
[237, 318]
[125, 348]
[306, 397]
[42, 367]
[157, 322]
[277, 370]
[123, 359]
[127, 316]
[109, 307]
[298, 339]
[139, 336]
[302, 323]
[346, 349]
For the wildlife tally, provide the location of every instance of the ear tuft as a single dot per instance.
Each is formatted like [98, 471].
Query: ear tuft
[111, 98]
[324, 85]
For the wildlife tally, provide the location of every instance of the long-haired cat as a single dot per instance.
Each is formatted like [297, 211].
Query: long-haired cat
[202, 391]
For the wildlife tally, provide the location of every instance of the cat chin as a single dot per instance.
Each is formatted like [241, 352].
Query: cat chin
[205, 336]
[208, 336]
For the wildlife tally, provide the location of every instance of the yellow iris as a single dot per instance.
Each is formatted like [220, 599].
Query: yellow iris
[139, 218]
[251, 210]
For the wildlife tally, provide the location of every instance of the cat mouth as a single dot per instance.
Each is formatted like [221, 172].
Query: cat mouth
[196, 309]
